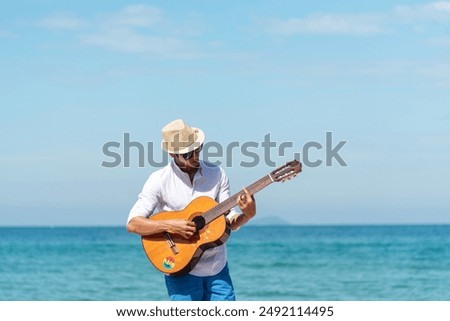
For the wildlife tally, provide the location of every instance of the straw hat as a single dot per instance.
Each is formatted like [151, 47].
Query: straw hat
[180, 138]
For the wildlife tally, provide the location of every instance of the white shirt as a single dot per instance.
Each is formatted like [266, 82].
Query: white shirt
[170, 189]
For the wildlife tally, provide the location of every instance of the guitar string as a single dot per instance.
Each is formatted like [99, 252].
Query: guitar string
[223, 207]
[226, 205]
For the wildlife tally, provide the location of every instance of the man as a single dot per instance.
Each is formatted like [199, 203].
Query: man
[172, 188]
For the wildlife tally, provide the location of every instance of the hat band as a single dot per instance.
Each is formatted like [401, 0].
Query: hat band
[176, 144]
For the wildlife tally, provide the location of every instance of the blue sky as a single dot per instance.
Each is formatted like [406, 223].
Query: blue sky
[76, 75]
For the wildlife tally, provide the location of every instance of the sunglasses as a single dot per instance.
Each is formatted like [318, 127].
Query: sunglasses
[189, 155]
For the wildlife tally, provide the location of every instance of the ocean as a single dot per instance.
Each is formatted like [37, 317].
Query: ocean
[267, 263]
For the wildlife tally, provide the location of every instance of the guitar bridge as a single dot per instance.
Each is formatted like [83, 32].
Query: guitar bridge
[171, 243]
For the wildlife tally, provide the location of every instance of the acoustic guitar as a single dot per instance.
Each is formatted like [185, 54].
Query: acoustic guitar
[175, 255]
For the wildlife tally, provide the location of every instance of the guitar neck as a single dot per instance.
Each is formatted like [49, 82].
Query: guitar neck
[231, 202]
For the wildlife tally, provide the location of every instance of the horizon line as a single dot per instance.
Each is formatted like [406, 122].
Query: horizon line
[249, 225]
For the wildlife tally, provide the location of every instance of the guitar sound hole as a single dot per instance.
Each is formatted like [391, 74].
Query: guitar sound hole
[199, 222]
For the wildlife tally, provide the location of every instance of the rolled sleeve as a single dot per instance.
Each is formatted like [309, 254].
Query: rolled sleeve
[148, 200]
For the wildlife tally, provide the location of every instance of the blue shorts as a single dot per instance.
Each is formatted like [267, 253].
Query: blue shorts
[194, 288]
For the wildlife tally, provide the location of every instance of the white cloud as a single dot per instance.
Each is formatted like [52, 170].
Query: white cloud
[420, 72]
[438, 72]
[133, 16]
[137, 29]
[327, 24]
[443, 5]
[436, 11]
[130, 41]
[5, 34]
[360, 23]
[62, 22]
[440, 41]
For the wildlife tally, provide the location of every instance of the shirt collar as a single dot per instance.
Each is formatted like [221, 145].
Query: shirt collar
[180, 173]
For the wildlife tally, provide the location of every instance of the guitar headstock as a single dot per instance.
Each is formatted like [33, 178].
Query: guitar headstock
[287, 171]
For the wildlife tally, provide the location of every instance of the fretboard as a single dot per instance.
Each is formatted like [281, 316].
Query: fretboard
[231, 202]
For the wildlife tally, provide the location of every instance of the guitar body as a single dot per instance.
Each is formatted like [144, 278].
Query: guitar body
[175, 255]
